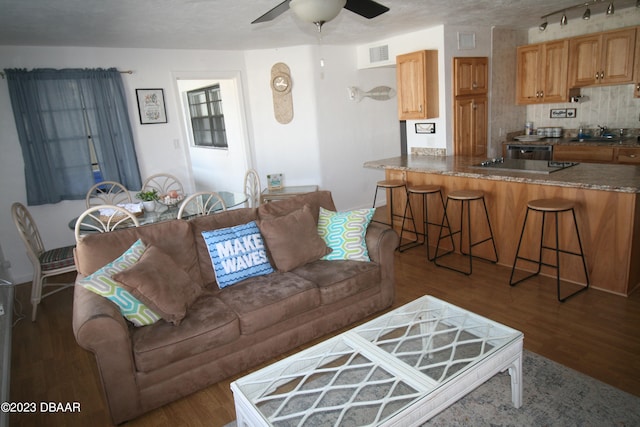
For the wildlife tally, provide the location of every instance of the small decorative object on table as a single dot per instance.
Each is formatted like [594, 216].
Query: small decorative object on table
[171, 199]
[148, 199]
[274, 181]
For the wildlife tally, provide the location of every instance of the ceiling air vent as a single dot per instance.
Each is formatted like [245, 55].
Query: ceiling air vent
[379, 53]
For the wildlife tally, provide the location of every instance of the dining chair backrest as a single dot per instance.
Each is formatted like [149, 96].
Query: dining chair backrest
[104, 218]
[28, 231]
[201, 203]
[46, 263]
[107, 193]
[163, 183]
[252, 188]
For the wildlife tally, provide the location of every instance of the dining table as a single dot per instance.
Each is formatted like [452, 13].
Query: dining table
[164, 212]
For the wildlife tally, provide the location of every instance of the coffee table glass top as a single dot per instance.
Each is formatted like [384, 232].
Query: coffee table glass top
[372, 372]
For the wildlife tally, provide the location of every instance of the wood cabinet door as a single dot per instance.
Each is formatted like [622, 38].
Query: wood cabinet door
[554, 71]
[636, 68]
[583, 153]
[410, 75]
[617, 56]
[479, 130]
[470, 126]
[628, 156]
[417, 82]
[584, 60]
[529, 59]
[471, 75]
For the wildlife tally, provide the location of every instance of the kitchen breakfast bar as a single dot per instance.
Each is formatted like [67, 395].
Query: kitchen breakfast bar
[607, 210]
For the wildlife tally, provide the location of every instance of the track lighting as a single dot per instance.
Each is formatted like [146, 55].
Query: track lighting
[586, 5]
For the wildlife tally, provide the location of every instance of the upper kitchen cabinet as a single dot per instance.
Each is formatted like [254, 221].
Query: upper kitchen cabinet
[471, 75]
[417, 80]
[602, 58]
[542, 73]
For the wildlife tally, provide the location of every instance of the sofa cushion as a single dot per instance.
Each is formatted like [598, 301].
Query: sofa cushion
[337, 280]
[209, 323]
[237, 253]
[292, 240]
[315, 200]
[263, 301]
[344, 233]
[224, 219]
[159, 283]
[173, 237]
[102, 283]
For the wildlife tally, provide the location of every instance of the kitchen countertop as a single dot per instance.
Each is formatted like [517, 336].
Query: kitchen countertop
[592, 176]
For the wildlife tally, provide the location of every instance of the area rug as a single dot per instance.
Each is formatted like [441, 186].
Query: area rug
[553, 395]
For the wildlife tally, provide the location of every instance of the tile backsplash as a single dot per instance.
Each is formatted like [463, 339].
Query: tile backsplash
[611, 106]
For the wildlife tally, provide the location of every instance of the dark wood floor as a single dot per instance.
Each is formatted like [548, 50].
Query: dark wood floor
[595, 333]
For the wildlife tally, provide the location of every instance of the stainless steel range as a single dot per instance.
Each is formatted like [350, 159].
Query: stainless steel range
[524, 165]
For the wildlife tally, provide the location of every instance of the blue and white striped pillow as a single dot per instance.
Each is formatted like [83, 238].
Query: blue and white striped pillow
[237, 253]
[344, 233]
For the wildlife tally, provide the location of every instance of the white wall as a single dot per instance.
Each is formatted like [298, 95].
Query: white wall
[327, 142]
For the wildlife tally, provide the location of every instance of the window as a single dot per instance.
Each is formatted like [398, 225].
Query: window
[207, 118]
[73, 126]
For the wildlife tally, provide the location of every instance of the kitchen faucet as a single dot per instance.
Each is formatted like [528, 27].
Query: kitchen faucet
[602, 130]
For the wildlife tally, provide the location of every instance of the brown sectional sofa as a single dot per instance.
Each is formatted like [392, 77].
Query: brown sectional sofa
[225, 331]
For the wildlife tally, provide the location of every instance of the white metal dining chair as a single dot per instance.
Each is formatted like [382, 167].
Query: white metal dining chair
[163, 183]
[201, 203]
[46, 263]
[107, 193]
[252, 188]
[102, 219]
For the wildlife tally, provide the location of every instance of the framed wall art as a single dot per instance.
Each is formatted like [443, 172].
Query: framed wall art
[151, 106]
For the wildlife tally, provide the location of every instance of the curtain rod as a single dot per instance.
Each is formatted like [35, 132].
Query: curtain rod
[121, 72]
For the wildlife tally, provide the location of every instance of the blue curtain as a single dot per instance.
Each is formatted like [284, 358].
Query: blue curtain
[55, 111]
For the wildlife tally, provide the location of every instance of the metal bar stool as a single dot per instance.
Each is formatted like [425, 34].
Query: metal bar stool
[551, 206]
[465, 197]
[424, 191]
[392, 185]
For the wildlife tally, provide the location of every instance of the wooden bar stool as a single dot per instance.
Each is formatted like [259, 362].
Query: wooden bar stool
[424, 191]
[551, 206]
[392, 185]
[465, 197]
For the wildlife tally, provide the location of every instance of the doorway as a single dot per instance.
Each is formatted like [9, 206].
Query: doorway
[217, 168]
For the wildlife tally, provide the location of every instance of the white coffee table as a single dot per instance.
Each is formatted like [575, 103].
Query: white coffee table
[399, 369]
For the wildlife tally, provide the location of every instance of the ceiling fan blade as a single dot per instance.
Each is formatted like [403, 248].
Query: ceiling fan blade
[367, 8]
[273, 13]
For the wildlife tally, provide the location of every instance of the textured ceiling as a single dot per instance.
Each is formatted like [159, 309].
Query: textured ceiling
[226, 24]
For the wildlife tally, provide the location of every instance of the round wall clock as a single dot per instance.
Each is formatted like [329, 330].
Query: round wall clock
[281, 85]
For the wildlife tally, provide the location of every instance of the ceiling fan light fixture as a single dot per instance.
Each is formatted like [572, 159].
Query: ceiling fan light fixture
[587, 14]
[317, 11]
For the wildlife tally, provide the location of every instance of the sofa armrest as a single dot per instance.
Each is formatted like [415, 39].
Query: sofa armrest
[381, 241]
[99, 327]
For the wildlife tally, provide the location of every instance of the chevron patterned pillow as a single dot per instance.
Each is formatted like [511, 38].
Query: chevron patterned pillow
[344, 233]
[102, 283]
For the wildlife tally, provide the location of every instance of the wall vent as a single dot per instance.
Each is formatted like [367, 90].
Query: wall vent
[379, 53]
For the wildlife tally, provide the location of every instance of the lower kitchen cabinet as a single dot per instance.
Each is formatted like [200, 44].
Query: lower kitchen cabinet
[470, 126]
[596, 154]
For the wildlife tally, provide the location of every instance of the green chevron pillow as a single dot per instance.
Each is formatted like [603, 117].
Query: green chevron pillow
[102, 283]
[344, 233]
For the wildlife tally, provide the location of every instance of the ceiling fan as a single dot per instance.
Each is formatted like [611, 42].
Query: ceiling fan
[321, 11]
